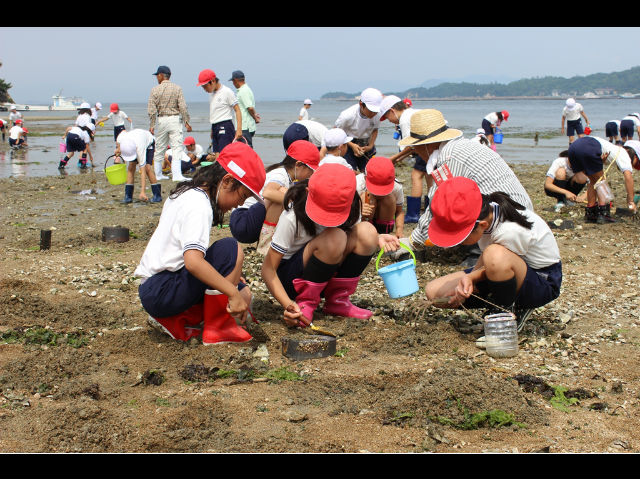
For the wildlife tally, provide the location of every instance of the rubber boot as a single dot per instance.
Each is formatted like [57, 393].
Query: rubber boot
[63, 163]
[176, 168]
[219, 326]
[591, 214]
[413, 210]
[156, 188]
[337, 301]
[604, 214]
[308, 297]
[82, 163]
[180, 326]
[128, 194]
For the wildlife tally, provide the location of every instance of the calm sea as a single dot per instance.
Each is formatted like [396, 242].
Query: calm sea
[527, 118]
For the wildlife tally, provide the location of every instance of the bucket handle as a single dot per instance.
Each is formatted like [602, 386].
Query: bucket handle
[403, 246]
[114, 156]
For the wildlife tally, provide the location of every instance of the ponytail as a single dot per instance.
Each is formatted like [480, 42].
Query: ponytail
[507, 209]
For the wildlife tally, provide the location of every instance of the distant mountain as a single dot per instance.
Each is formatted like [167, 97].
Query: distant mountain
[625, 83]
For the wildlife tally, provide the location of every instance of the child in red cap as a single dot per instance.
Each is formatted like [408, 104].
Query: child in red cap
[320, 246]
[519, 268]
[185, 281]
[382, 196]
[118, 117]
[255, 222]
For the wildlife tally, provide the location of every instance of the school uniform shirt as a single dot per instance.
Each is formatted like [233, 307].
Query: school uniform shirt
[617, 154]
[13, 116]
[279, 176]
[536, 246]
[221, 103]
[118, 118]
[493, 119]
[304, 113]
[142, 138]
[185, 224]
[466, 158]
[405, 122]
[94, 114]
[316, 131]
[633, 118]
[287, 239]
[355, 124]
[83, 120]
[15, 131]
[328, 158]
[84, 136]
[198, 152]
[573, 114]
[560, 162]
[397, 192]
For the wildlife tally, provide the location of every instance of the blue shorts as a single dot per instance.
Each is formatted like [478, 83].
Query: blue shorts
[626, 128]
[169, 293]
[611, 129]
[488, 129]
[289, 270]
[420, 164]
[246, 223]
[295, 131]
[117, 130]
[585, 156]
[359, 163]
[222, 134]
[540, 287]
[75, 143]
[16, 141]
[574, 127]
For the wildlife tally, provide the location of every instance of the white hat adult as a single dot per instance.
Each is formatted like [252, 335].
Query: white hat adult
[372, 98]
[335, 137]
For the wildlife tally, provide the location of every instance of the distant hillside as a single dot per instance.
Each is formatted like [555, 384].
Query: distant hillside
[626, 82]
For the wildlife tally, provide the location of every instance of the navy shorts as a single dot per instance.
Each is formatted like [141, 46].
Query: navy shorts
[223, 134]
[117, 130]
[187, 167]
[572, 186]
[540, 287]
[359, 163]
[295, 131]
[585, 155]
[574, 127]
[16, 141]
[420, 164]
[246, 223]
[75, 143]
[488, 129]
[626, 128]
[248, 137]
[169, 293]
[289, 270]
[611, 129]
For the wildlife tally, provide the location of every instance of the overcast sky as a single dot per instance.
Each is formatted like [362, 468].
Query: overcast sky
[286, 63]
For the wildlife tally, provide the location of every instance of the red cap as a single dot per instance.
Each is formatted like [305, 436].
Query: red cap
[505, 115]
[455, 208]
[205, 76]
[380, 174]
[18, 121]
[244, 164]
[114, 107]
[305, 152]
[189, 141]
[408, 102]
[331, 191]
[25, 130]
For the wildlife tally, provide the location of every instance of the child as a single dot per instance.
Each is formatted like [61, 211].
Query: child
[519, 268]
[612, 131]
[490, 122]
[628, 124]
[185, 281]
[17, 135]
[255, 222]
[319, 246]
[382, 196]
[84, 114]
[94, 112]
[336, 144]
[77, 140]
[562, 184]
[3, 128]
[138, 146]
[192, 155]
[14, 116]
[118, 117]
[481, 137]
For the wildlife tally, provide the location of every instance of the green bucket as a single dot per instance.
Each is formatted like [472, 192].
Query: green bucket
[116, 173]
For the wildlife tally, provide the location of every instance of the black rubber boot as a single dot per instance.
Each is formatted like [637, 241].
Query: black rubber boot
[591, 214]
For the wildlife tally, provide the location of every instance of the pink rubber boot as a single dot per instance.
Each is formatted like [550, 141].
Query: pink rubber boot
[337, 301]
[308, 297]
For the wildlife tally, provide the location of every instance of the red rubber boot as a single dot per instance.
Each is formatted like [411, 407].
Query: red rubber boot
[219, 325]
[180, 326]
[337, 300]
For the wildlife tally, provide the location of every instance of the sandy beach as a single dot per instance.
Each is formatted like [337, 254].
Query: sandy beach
[81, 371]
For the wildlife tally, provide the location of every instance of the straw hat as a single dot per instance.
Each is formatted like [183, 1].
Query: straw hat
[429, 126]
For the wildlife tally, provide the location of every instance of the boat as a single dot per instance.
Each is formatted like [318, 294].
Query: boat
[65, 103]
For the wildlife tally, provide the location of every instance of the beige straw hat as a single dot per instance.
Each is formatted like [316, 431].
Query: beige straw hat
[429, 126]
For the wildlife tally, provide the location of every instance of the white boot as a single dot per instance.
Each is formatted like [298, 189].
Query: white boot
[176, 169]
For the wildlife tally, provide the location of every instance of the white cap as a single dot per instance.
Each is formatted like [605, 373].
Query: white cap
[127, 148]
[480, 131]
[571, 103]
[308, 101]
[98, 105]
[635, 144]
[84, 105]
[372, 98]
[12, 107]
[388, 101]
[335, 137]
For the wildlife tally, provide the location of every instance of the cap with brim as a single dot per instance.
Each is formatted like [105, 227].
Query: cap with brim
[84, 105]
[380, 176]
[306, 152]
[237, 75]
[429, 126]
[331, 192]
[455, 208]
[162, 69]
[114, 107]
[387, 102]
[244, 164]
[334, 137]
[205, 76]
[308, 102]
[189, 141]
[570, 104]
[371, 97]
[127, 149]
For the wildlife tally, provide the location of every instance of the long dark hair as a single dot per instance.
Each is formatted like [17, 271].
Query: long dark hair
[296, 199]
[500, 116]
[207, 178]
[287, 163]
[508, 209]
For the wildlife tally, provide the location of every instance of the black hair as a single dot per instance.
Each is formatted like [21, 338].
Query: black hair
[82, 111]
[400, 105]
[564, 153]
[484, 140]
[632, 153]
[508, 209]
[288, 162]
[296, 199]
[207, 178]
[500, 117]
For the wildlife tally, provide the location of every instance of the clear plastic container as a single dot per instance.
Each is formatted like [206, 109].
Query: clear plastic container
[605, 195]
[501, 335]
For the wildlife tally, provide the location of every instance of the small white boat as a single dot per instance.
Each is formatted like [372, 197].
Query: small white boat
[65, 103]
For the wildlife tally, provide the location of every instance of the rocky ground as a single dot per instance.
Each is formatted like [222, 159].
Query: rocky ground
[81, 371]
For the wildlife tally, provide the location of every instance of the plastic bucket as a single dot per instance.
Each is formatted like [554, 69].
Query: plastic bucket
[63, 147]
[497, 137]
[117, 173]
[399, 278]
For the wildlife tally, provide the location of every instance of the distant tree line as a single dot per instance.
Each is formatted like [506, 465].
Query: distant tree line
[4, 90]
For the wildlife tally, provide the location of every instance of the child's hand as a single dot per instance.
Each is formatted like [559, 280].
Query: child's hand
[293, 316]
[236, 306]
[388, 242]
[464, 289]
[367, 210]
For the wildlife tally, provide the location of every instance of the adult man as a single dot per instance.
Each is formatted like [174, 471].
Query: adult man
[571, 113]
[447, 154]
[247, 105]
[361, 121]
[222, 103]
[165, 107]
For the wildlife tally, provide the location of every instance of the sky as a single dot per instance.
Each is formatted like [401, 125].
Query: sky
[115, 64]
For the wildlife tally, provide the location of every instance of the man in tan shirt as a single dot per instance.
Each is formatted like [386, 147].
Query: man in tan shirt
[165, 107]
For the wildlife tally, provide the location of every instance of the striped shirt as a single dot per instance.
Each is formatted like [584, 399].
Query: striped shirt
[466, 158]
[166, 98]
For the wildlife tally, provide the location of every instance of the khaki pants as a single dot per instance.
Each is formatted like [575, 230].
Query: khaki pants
[168, 131]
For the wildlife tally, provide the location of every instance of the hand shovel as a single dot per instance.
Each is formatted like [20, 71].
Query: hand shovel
[320, 331]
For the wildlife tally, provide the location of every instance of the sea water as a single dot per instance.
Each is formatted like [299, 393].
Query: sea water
[528, 119]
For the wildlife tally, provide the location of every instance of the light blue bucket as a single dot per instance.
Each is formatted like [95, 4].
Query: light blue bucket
[497, 137]
[399, 278]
